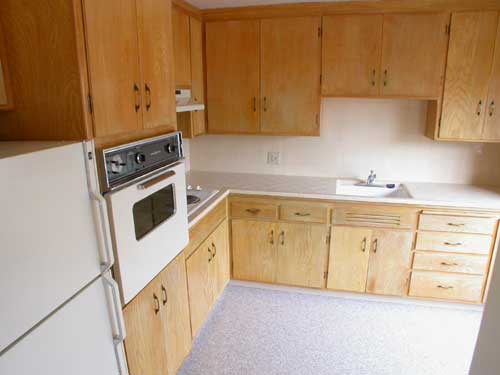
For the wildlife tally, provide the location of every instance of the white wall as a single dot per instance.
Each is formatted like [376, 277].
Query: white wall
[356, 135]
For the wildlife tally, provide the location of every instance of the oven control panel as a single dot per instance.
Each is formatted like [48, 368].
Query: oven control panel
[130, 161]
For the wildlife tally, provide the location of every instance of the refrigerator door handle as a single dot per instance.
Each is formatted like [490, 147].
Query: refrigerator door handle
[103, 232]
[119, 323]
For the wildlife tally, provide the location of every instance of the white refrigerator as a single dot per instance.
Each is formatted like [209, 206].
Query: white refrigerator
[60, 311]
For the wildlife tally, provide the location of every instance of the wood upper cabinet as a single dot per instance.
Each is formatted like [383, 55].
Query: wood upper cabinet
[389, 266]
[491, 130]
[182, 48]
[470, 56]
[145, 344]
[414, 54]
[130, 65]
[302, 254]
[233, 76]
[352, 46]
[349, 256]
[156, 51]
[290, 75]
[5, 87]
[157, 323]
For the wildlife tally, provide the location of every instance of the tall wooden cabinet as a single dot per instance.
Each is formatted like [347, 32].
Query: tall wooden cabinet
[263, 76]
[157, 323]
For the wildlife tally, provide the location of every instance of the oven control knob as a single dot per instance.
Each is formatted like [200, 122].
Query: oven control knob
[170, 148]
[140, 158]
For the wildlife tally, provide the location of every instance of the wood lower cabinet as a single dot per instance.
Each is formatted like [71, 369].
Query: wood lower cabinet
[207, 274]
[157, 323]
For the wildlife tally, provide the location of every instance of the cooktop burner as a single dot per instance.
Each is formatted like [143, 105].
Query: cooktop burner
[198, 196]
[192, 199]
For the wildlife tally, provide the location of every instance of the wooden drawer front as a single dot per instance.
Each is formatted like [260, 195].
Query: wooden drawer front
[438, 285]
[454, 242]
[374, 218]
[475, 264]
[461, 224]
[304, 213]
[254, 209]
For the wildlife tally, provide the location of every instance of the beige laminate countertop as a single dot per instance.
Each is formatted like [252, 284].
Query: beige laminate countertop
[422, 194]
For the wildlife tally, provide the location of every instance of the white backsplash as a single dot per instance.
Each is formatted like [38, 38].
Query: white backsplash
[356, 135]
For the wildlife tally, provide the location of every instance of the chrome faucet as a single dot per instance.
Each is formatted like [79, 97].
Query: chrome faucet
[371, 178]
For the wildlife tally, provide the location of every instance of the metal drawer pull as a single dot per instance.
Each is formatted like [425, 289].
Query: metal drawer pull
[453, 243]
[253, 211]
[165, 297]
[155, 180]
[492, 108]
[444, 287]
[271, 237]
[254, 104]
[375, 245]
[363, 245]
[148, 96]
[456, 225]
[137, 97]
[157, 303]
[302, 214]
[210, 255]
[282, 236]
[373, 77]
[385, 78]
[265, 104]
[215, 249]
[479, 108]
[449, 264]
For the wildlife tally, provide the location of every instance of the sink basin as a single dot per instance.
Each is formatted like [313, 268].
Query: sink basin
[380, 189]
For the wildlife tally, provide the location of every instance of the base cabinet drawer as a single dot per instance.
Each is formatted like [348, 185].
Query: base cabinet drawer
[446, 286]
[254, 210]
[454, 242]
[304, 213]
[474, 264]
[458, 224]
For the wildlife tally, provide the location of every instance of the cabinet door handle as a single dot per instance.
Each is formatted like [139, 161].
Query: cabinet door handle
[271, 237]
[215, 249]
[302, 214]
[363, 245]
[165, 297]
[157, 303]
[374, 72]
[375, 245]
[282, 236]
[449, 264]
[254, 104]
[137, 98]
[479, 108]
[148, 97]
[456, 224]
[265, 104]
[453, 243]
[386, 81]
[444, 287]
[492, 108]
[210, 255]
[253, 211]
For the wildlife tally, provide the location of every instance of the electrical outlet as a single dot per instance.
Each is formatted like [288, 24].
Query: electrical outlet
[273, 158]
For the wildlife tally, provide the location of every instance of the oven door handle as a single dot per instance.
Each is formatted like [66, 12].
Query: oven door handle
[152, 182]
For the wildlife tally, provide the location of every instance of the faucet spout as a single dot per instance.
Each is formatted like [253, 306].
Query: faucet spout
[371, 178]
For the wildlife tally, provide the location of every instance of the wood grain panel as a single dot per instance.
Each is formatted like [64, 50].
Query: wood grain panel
[290, 73]
[368, 215]
[446, 286]
[182, 48]
[145, 344]
[5, 87]
[113, 57]
[474, 264]
[254, 250]
[220, 245]
[254, 210]
[468, 71]
[156, 49]
[349, 255]
[491, 130]
[233, 76]
[351, 55]
[306, 213]
[459, 224]
[413, 54]
[388, 270]
[175, 313]
[197, 76]
[302, 254]
[454, 242]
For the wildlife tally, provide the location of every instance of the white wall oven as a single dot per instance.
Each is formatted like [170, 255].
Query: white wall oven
[146, 195]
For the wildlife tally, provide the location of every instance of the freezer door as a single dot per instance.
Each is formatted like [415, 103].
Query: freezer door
[52, 235]
[76, 340]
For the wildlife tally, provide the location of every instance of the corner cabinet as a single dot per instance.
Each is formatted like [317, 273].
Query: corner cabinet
[157, 323]
[263, 76]
[5, 87]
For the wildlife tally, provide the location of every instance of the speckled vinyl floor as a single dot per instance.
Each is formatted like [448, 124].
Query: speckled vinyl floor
[254, 331]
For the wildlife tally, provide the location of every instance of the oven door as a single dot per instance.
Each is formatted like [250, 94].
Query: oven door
[149, 226]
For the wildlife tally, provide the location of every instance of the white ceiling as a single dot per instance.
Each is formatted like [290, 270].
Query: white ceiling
[211, 4]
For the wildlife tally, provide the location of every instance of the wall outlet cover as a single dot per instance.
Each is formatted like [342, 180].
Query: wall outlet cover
[273, 158]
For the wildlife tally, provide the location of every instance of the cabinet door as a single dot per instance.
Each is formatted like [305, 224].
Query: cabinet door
[351, 55]
[389, 266]
[182, 48]
[290, 75]
[254, 250]
[175, 313]
[413, 54]
[349, 254]
[470, 55]
[200, 284]
[156, 51]
[113, 63]
[197, 78]
[145, 345]
[219, 243]
[233, 73]
[5, 92]
[302, 254]
[492, 124]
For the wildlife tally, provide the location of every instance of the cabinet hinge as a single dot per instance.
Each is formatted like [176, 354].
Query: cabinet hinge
[90, 155]
[90, 104]
[320, 79]
[325, 275]
[448, 29]
[327, 239]
[320, 32]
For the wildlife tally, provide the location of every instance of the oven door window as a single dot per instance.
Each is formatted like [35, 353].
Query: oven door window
[153, 210]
